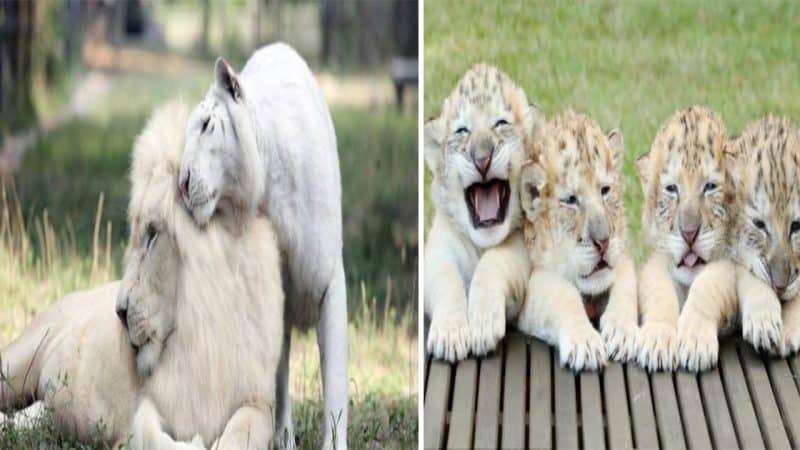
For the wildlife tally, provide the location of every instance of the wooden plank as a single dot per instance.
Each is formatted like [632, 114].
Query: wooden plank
[487, 418]
[744, 416]
[514, 393]
[691, 411]
[436, 403]
[616, 401]
[591, 411]
[462, 414]
[644, 421]
[719, 418]
[565, 409]
[764, 401]
[541, 417]
[788, 398]
[668, 416]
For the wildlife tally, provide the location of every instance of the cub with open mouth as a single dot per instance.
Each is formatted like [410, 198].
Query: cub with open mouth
[687, 200]
[475, 264]
[575, 235]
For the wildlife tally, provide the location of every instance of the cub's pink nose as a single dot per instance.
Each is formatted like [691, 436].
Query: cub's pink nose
[184, 185]
[601, 245]
[689, 235]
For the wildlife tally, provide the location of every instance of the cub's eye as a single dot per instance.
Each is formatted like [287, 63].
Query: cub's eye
[462, 130]
[671, 188]
[150, 235]
[758, 223]
[570, 200]
[795, 226]
[500, 123]
[605, 190]
[205, 124]
[710, 186]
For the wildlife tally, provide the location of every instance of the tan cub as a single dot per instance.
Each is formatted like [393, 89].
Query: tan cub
[687, 201]
[575, 234]
[766, 234]
[474, 256]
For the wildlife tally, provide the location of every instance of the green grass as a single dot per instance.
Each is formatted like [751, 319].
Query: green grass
[55, 238]
[628, 64]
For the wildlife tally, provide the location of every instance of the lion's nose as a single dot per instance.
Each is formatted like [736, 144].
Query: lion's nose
[482, 164]
[122, 313]
[185, 185]
[689, 235]
[601, 245]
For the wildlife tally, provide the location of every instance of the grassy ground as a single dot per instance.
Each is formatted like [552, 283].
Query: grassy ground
[628, 64]
[56, 237]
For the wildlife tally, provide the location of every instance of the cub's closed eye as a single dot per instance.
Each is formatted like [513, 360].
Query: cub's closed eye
[710, 186]
[205, 124]
[462, 130]
[150, 235]
[758, 223]
[500, 123]
[671, 188]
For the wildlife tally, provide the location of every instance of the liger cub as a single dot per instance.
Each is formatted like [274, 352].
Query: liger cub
[766, 235]
[688, 196]
[475, 263]
[574, 233]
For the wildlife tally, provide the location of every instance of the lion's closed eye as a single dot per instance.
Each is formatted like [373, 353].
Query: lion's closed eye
[151, 234]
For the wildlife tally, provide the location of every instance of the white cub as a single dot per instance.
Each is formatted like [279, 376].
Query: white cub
[264, 140]
[475, 262]
[575, 235]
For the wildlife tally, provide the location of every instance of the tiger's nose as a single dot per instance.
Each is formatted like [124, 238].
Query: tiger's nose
[689, 235]
[184, 185]
[482, 164]
[601, 245]
[122, 313]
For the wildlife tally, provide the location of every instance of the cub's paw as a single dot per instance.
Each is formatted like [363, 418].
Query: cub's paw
[582, 349]
[761, 326]
[657, 347]
[619, 336]
[487, 322]
[698, 344]
[448, 336]
[789, 341]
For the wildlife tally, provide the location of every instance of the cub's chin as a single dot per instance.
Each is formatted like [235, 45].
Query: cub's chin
[596, 283]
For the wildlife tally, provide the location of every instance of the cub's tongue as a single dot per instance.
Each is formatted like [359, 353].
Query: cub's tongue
[690, 259]
[486, 199]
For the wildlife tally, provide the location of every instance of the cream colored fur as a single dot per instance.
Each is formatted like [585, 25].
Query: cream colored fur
[468, 297]
[215, 376]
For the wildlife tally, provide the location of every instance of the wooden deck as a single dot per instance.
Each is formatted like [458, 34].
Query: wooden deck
[520, 398]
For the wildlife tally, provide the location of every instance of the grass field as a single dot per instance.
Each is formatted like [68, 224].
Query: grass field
[628, 64]
[56, 236]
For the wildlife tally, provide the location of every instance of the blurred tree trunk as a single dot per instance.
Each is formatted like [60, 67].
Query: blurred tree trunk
[16, 46]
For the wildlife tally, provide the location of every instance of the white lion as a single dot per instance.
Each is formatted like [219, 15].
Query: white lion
[264, 140]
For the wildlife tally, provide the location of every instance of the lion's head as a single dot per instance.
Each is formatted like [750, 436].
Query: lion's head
[687, 191]
[766, 233]
[572, 198]
[474, 149]
[221, 161]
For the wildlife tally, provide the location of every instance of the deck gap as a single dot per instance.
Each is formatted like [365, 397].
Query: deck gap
[653, 405]
[451, 388]
[684, 428]
[576, 377]
[502, 393]
[705, 407]
[601, 378]
[630, 404]
[553, 363]
[784, 415]
[722, 379]
[478, 364]
[527, 408]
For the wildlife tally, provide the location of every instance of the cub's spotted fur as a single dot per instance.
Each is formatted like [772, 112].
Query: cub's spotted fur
[474, 251]
[575, 235]
[688, 195]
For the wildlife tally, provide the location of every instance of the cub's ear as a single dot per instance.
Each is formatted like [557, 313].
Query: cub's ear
[534, 119]
[533, 180]
[617, 144]
[433, 132]
[643, 169]
[227, 80]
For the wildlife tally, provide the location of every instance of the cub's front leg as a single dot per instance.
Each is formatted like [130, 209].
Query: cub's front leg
[656, 344]
[618, 325]
[445, 294]
[554, 312]
[790, 331]
[761, 311]
[496, 291]
[710, 304]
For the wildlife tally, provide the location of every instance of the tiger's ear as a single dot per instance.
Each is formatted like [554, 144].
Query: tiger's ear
[433, 133]
[643, 169]
[617, 143]
[534, 119]
[533, 180]
[227, 80]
